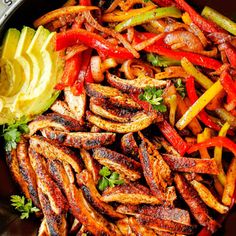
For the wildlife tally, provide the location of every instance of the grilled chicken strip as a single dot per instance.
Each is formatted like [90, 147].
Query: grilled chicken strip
[139, 229]
[156, 172]
[57, 201]
[195, 203]
[139, 122]
[56, 121]
[77, 104]
[124, 227]
[165, 225]
[129, 146]
[135, 85]
[125, 166]
[91, 194]
[161, 212]
[13, 165]
[86, 140]
[43, 229]
[27, 171]
[195, 165]
[101, 107]
[56, 223]
[62, 108]
[129, 194]
[54, 151]
[113, 95]
[91, 165]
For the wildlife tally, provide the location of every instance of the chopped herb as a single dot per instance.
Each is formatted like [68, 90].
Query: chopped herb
[24, 206]
[108, 179]
[161, 61]
[180, 87]
[13, 132]
[146, 0]
[154, 97]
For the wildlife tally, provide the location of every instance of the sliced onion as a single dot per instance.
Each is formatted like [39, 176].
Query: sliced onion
[96, 69]
[113, 6]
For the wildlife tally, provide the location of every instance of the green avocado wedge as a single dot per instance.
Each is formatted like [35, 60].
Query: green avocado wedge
[41, 69]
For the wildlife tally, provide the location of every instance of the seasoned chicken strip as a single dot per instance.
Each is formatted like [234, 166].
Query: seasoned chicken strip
[139, 122]
[27, 171]
[86, 140]
[124, 227]
[135, 85]
[129, 194]
[195, 165]
[56, 121]
[195, 203]
[77, 104]
[56, 223]
[46, 184]
[113, 95]
[91, 194]
[54, 151]
[125, 166]
[62, 108]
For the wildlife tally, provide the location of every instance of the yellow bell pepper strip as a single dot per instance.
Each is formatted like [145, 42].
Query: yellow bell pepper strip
[226, 116]
[148, 16]
[205, 135]
[218, 154]
[221, 20]
[230, 183]
[194, 110]
[172, 101]
[118, 16]
[182, 107]
[204, 81]
[186, 18]
[209, 199]
[50, 16]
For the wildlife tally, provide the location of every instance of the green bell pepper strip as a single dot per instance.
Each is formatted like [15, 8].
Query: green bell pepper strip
[223, 21]
[148, 16]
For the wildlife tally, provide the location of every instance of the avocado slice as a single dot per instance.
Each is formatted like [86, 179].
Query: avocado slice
[11, 71]
[23, 58]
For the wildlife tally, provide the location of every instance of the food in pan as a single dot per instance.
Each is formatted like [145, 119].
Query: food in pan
[119, 118]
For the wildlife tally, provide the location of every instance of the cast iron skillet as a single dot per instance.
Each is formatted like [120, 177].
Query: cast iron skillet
[16, 13]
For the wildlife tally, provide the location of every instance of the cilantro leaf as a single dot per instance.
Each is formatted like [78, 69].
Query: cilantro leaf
[180, 87]
[13, 132]
[108, 179]
[25, 207]
[154, 97]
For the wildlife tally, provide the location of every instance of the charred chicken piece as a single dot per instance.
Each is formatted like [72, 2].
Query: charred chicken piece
[54, 151]
[86, 140]
[55, 121]
[125, 166]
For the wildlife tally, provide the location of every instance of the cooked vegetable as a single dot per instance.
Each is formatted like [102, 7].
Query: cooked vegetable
[24, 206]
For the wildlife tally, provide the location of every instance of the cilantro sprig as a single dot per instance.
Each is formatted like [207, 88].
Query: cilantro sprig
[154, 97]
[108, 179]
[24, 206]
[13, 132]
[180, 87]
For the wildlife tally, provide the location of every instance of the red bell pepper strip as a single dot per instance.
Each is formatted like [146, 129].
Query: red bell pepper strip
[228, 84]
[85, 2]
[230, 52]
[71, 71]
[105, 48]
[215, 141]
[191, 91]
[145, 105]
[173, 137]
[163, 3]
[202, 23]
[78, 86]
[163, 49]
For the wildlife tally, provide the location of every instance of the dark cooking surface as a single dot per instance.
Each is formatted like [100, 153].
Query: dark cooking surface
[10, 224]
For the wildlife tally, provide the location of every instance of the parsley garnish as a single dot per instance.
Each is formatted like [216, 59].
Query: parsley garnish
[180, 87]
[161, 61]
[13, 132]
[24, 206]
[108, 179]
[154, 97]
